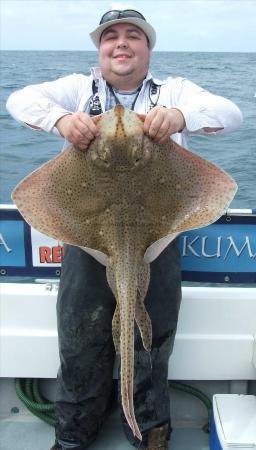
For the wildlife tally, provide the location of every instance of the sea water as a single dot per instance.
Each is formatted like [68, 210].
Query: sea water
[232, 75]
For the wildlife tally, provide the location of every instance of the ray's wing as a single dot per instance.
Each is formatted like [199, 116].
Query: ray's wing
[186, 191]
[62, 199]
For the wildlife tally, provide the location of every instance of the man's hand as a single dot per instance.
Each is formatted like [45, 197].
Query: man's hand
[161, 122]
[77, 128]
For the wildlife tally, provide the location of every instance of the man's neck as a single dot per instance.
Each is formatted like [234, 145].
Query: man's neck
[125, 83]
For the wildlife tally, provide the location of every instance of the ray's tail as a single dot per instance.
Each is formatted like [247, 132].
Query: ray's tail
[126, 288]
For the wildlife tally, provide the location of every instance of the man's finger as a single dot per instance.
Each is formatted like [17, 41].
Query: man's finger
[163, 130]
[154, 121]
[82, 147]
[155, 126]
[164, 139]
[148, 120]
[87, 121]
[85, 130]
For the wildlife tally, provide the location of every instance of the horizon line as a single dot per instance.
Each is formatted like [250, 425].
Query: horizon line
[155, 51]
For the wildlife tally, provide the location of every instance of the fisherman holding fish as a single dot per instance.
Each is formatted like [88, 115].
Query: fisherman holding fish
[174, 107]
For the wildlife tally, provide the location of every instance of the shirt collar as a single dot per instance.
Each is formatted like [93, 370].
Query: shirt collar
[150, 77]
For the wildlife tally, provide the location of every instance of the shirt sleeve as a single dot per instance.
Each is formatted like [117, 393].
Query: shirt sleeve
[202, 109]
[41, 105]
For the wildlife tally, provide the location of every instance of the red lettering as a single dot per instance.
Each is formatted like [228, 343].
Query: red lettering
[51, 255]
[45, 254]
[57, 254]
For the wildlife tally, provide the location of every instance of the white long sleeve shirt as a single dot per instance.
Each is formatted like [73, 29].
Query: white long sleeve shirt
[41, 105]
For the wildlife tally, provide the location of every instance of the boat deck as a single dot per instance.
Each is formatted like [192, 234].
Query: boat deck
[29, 433]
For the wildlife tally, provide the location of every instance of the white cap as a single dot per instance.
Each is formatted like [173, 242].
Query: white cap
[140, 23]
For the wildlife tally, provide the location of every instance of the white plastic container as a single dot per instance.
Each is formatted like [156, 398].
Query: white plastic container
[234, 422]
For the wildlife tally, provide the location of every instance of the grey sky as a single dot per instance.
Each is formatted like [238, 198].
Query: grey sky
[181, 25]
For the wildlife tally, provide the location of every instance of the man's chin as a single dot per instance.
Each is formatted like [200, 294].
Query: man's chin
[123, 71]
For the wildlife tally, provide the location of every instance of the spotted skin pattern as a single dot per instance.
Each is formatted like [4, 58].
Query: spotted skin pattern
[119, 197]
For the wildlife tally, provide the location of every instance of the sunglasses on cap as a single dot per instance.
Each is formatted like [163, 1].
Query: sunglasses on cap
[120, 14]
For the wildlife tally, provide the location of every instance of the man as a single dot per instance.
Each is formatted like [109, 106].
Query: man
[85, 304]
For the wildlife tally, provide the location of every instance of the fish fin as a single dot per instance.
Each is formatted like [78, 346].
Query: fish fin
[141, 316]
[116, 329]
[116, 317]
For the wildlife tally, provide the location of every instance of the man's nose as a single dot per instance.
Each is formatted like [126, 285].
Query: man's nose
[121, 43]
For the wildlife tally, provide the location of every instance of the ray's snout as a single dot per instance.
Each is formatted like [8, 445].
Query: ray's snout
[121, 145]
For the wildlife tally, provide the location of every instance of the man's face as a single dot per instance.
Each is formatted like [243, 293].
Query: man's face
[124, 51]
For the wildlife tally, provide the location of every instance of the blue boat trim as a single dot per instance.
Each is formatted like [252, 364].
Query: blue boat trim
[219, 277]
[237, 219]
[224, 252]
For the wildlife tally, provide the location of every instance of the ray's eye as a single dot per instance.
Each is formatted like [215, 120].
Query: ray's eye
[140, 155]
[105, 155]
[136, 154]
[101, 156]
